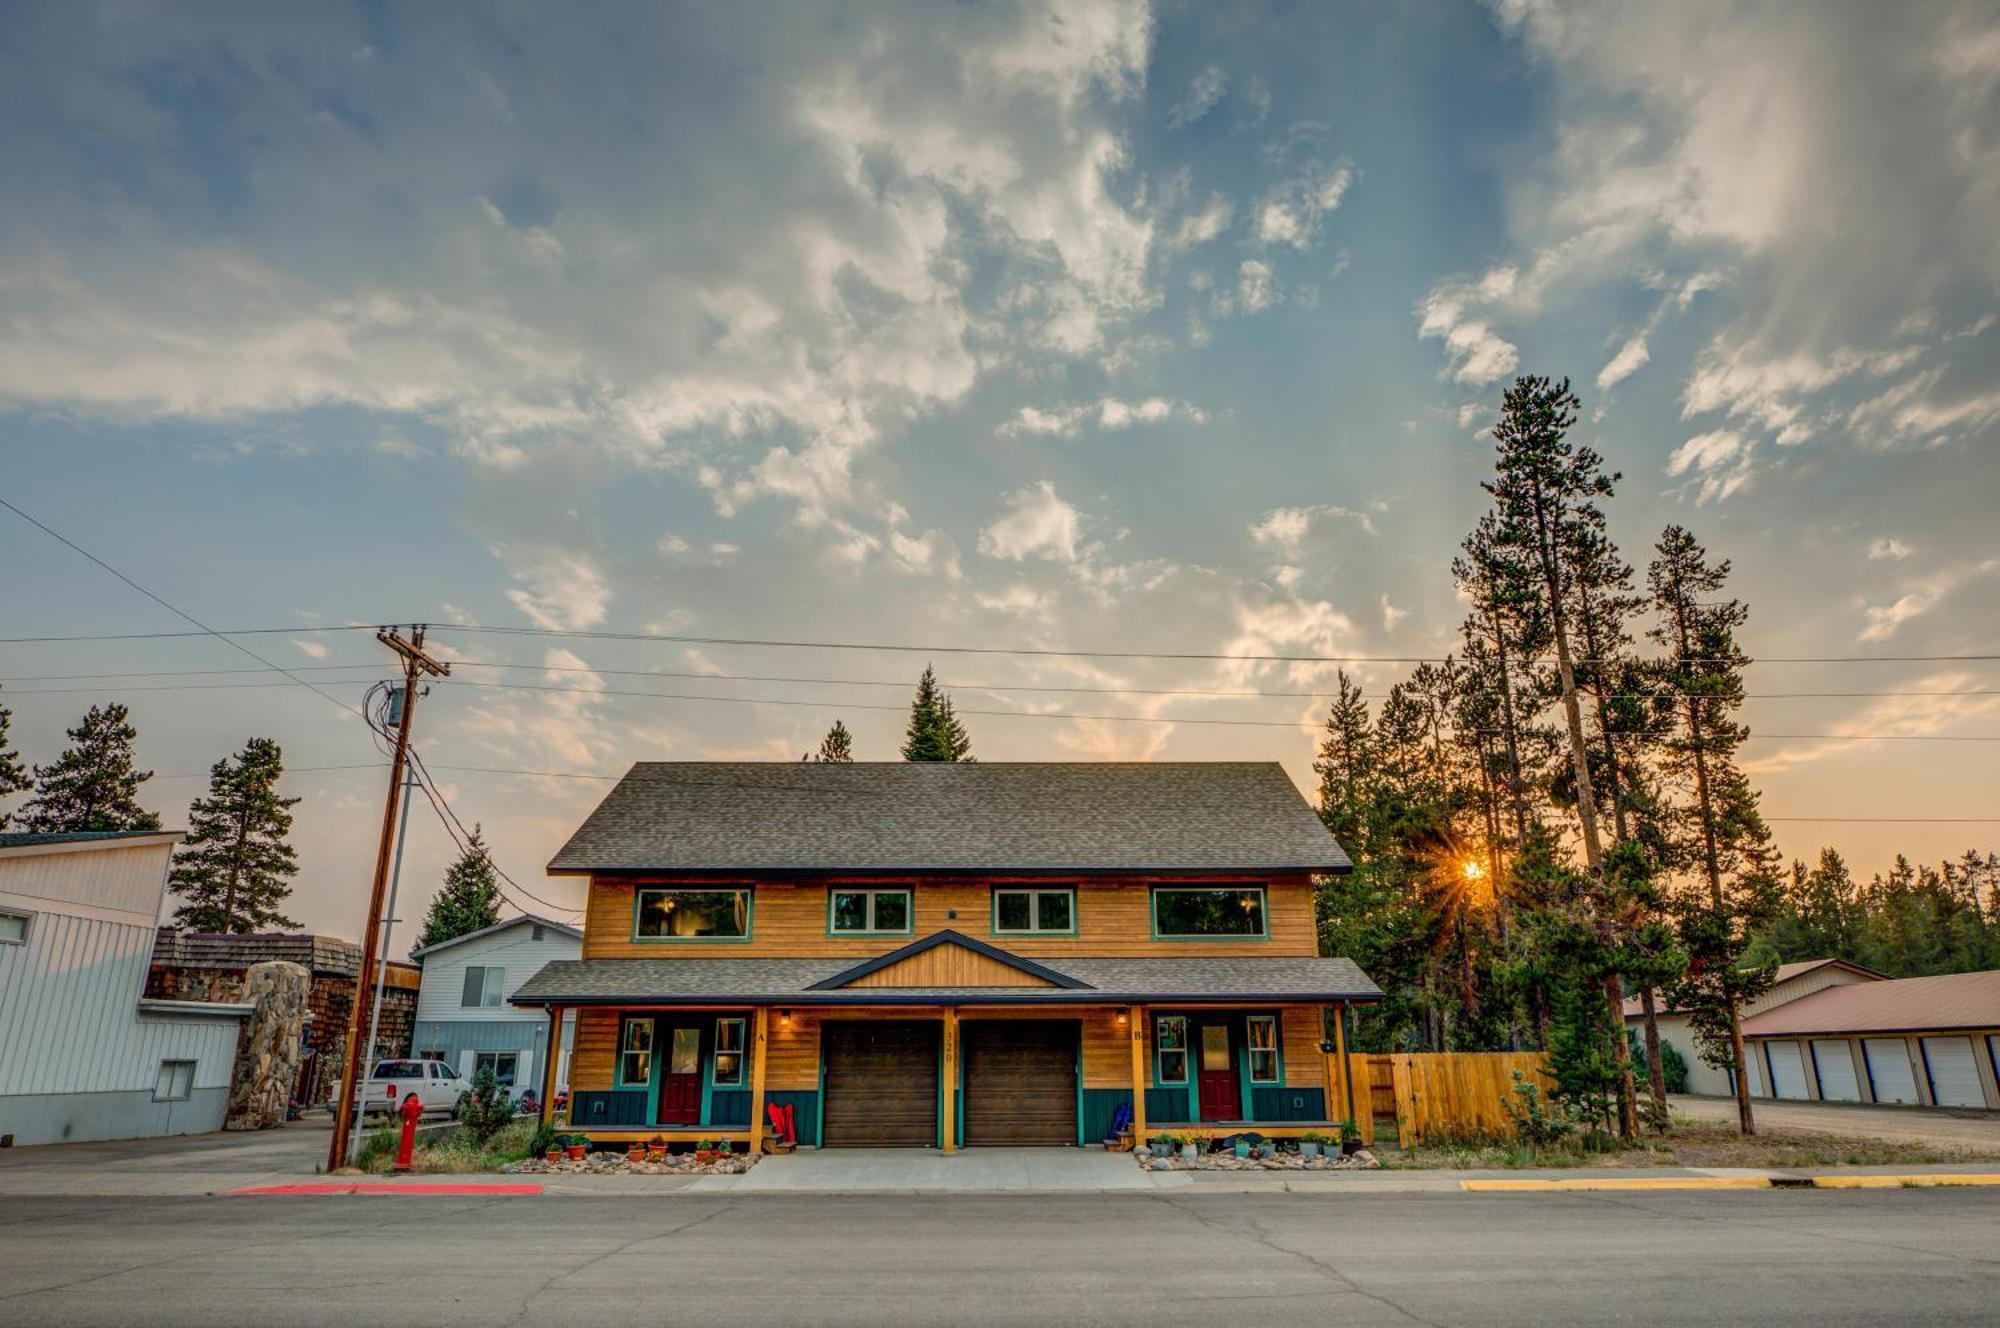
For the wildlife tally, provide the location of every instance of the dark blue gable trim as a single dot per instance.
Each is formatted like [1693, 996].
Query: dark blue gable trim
[950, 937]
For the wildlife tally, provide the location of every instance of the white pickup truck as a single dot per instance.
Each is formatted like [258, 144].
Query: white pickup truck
[435, 1084]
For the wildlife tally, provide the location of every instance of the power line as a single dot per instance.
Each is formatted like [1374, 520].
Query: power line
[1023, 651]
[176, 610]
[442, 806]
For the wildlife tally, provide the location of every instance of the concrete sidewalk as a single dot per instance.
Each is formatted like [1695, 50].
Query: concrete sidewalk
[972, 1170]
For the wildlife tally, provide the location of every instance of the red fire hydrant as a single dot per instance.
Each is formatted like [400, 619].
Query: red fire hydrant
[413, 1111]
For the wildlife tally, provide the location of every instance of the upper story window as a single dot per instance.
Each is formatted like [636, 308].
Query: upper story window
[691, 915]
[1019, 912]
[1202, 912]
[868, 912]
[483, 986]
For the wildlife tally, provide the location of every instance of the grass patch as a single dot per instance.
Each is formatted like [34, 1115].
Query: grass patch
[448, 1152]
[1687, 1143]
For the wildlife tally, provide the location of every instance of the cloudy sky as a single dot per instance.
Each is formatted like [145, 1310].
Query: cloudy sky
[1072, 326]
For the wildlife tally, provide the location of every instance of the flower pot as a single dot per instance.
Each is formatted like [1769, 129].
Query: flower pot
[635, 1155]
[1161, 1148]
[1349, 1147]
[553, 1155]
[1307, 1148]
[1242, 1148]
[1190, 1152]
[656, 1154]
[704, 1155]
[577, 1151]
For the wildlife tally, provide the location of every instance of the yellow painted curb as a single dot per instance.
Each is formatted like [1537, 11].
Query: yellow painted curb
[1613, 1183]
[1898, 1182]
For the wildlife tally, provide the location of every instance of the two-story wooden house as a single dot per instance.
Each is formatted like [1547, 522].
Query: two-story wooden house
[940, 955]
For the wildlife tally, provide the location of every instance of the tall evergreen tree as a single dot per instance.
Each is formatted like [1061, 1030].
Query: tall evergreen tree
[469, 899]
[837, 746]
[13, 775]
[235, 867]
[94, 784]
[1723, 835]
[1545, 493]
[934, 733]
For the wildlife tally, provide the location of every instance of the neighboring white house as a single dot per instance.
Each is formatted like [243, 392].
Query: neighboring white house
[83, 1055]
[463, 1015]
[1794, 982]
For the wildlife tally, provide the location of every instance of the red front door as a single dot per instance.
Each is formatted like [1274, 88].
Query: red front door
[680, 1085]
[1221, 1099]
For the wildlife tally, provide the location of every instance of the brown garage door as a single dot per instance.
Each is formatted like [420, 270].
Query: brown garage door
[1020, 1082]
[881, 1086]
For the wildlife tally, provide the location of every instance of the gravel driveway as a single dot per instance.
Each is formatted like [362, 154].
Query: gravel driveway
[1945, 1128]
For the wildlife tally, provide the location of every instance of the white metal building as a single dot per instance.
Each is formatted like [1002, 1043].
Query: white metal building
[82, 1054]
[1795, 981]
[463, 1014]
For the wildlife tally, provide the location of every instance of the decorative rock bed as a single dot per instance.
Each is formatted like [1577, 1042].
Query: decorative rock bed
[617, 1164]
[1361, 1161]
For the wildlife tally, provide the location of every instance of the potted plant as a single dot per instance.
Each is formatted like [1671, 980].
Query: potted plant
[708, 1150]
[1243, 1146]
[635, 1152]
[576, 1146]
[656, 1149]
[1350, 1138]
[1311, 1142]
[1166, 1145]
[1192, 1144]
[554, 1153]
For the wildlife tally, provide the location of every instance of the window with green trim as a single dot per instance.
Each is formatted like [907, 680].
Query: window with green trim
[1170, 1049]
[729, 1053]
[1208, 911]
[1026, 912]
[692, 915]
[635, 1054]
[862, 912]
[1263, 1048]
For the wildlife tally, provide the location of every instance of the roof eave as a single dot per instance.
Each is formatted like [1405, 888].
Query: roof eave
[559, 868]
[1028, 996]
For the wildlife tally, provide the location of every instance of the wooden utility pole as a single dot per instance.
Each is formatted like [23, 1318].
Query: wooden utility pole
[416, 664]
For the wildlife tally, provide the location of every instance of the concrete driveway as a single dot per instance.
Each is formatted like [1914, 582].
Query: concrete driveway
[216, 1162]
[919, 1169]
[1945, 1128]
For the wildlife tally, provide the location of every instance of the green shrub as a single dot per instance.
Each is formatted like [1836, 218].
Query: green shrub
[1534, 1127]
[486, 1110]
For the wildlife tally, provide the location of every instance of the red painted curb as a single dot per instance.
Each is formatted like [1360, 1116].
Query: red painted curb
[392, 1187]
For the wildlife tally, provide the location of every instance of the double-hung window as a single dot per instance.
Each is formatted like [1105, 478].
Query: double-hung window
[635, 1054]
[691, 915]
[1263, 1031]
[1171, 1049]
[868, 912]
[1034, 912]
[483, 986]
[1203, 912]
[729, 1053]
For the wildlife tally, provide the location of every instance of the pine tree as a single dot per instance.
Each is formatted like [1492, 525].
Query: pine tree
[837, 746]
[469, 900]
[13, 775]
[235, 869]
[1723, 835]
[1545, 493]
[934, 733]
[94, 784]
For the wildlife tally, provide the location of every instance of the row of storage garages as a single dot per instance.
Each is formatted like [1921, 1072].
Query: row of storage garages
[1935, 1070]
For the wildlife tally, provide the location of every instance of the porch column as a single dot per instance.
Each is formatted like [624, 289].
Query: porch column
[1137, 1015]
[759, 1039]
[549, 1064]
[948, 1127]
[1346, 1066]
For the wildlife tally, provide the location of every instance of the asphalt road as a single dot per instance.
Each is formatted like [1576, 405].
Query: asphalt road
[1775, 1257]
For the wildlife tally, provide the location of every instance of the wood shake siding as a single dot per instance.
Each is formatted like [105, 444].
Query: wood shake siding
[1114, 918]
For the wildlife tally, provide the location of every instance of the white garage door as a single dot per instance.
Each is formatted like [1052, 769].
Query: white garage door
[1954, 1073]
[1834, 1060]
[1788, 1070]
[1889, 1070]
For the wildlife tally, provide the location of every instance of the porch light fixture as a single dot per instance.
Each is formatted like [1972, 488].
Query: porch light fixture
[784, 1018]
[1121, 1018]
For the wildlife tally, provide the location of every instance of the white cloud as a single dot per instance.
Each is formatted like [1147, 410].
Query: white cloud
[561, 589]
[1198, 228]
[1883, 621]
[310, 649]
[1286, 528]
[1106, 412]
[1723, 460]
[1034, 420]
[1915, 714]
[1037, 524]
[1631, 358]
[1254, 289]
[1391, 615]
[1888, 547]
[1478, 354]
[1292, 212]
[1203, 95]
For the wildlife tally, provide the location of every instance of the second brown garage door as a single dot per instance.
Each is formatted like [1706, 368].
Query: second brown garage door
[1020, 1082]
[881, 1084]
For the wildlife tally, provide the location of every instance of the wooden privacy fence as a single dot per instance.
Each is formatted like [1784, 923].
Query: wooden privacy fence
[1428, 1097]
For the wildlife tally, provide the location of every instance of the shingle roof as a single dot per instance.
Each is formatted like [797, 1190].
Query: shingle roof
[1798, 968]
[1162, 816]
[767, 981]
[1902, 1005]
[419, 951]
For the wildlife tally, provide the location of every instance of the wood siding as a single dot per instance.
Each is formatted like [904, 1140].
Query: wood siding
[1114, 918]
[949, 966]
[594, 1060]
[1300, 1031]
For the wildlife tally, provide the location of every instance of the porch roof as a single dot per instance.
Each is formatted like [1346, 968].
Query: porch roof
[1100, 981]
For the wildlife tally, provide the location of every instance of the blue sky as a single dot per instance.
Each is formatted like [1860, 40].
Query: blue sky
[1070, 326]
